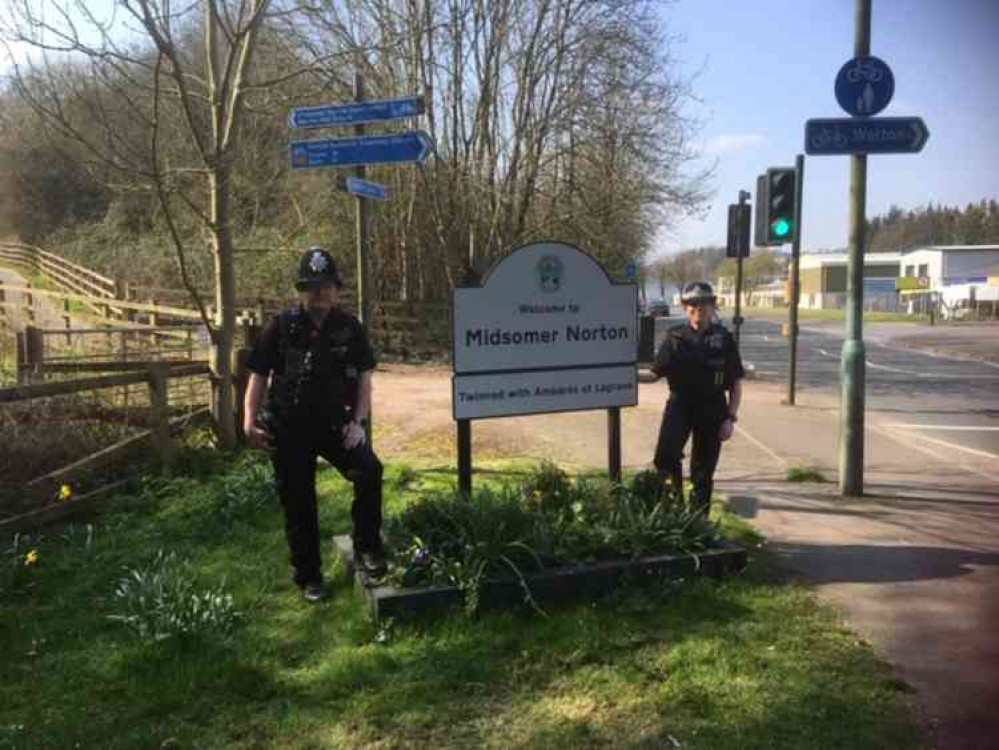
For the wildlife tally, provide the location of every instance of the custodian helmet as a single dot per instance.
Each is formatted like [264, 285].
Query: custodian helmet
[317, 267]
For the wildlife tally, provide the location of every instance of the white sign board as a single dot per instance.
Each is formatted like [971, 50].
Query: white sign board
[547, 316]
[512, 393]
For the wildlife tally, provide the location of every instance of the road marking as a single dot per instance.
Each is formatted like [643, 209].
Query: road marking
[954, 428]
[941, 376]
[933, 454]
[742, 431]
[955, 446]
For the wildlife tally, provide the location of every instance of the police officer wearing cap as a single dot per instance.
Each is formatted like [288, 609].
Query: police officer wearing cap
[700, 361]
[319, 362]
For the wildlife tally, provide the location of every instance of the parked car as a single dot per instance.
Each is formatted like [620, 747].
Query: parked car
[658, 308]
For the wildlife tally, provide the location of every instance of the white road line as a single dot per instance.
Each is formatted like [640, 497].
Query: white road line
[937, 375]
[953, 428]
[760, 445]
[897, 436]
[955, 446]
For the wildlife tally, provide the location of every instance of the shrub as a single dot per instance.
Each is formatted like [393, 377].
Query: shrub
[547, 521]
[160, 600]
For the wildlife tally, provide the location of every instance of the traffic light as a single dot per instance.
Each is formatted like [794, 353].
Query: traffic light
[779, 205]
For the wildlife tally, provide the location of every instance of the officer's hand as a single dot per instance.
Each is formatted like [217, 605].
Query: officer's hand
[353, 435]
[259, 438]
[726, 430]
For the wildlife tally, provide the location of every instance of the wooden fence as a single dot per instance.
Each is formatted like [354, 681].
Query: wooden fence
[156, 377]
[399, 330]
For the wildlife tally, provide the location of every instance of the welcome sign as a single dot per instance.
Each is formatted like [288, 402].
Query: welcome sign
[548, 330]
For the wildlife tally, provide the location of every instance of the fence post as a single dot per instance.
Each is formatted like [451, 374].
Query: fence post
[154, 320]
[159, 374]
[34, 350]
[68, 320]
[20, 358]
[241, 377]
[28, 302]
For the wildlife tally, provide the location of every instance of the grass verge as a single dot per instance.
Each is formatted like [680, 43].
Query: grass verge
[752, 662]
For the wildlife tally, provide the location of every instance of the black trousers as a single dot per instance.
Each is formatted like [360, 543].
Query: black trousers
[702, 417]
[298, 444]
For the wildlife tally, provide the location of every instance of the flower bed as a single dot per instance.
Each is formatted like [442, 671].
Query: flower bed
[548, 539]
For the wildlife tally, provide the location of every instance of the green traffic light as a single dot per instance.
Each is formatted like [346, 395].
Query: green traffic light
[781, 228]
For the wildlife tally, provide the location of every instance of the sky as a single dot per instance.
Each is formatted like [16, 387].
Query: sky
[764, 67]
[767, 66]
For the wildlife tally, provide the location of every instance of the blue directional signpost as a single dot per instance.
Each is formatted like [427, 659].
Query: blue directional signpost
[882, 135]
[338, 115]
[864, 86]
[352, 152]
[365, 189]
[358, 152]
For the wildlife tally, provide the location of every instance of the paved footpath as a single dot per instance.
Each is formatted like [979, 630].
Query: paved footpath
[913, 566]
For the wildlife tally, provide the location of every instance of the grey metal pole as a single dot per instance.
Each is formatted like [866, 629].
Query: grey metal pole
[614, 444]
[362, 214]
[792, 316]
[852, 364]
[465, 457]
[743, 197]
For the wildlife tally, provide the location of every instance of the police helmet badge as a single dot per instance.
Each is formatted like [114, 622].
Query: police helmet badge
[318, 262]
[549, 273]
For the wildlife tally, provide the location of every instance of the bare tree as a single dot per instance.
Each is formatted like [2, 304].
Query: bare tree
[154, 115]
[680, 269]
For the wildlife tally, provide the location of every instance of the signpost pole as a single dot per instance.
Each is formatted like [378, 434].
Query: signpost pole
[362, 224]
[465, 457]
[740, 241]
[851, 442]
[614, 444]
[792, 317]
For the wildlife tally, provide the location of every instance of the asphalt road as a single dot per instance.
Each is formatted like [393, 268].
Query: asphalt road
[946, 403]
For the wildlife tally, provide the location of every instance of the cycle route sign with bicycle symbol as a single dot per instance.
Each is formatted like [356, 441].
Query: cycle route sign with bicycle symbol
[864, 87]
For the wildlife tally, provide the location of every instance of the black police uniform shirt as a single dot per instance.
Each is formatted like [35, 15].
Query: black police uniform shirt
[321, 394]
[699, 363]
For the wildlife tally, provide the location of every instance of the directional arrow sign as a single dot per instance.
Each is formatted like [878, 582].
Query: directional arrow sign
[352, 152]
[364, 189]
[356, 114]
[878, 135]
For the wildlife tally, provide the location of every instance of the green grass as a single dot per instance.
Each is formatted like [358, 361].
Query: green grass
[752, 662]
[804, 474]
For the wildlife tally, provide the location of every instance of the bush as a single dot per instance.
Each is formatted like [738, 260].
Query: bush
[547, 521]
[160, 600]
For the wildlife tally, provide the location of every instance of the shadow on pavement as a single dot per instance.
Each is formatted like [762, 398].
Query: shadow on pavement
[868, 563]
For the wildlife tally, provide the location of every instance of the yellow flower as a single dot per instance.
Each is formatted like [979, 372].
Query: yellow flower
[65, 492]
[537, 494]
[31, 558]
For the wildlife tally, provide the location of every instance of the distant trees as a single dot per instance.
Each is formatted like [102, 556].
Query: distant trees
[680, 269]
[758, 269]
[976, 224]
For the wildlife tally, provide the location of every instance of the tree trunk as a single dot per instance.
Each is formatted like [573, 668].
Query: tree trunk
[223, 407]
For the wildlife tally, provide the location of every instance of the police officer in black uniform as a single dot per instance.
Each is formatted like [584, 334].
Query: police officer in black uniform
[701, 363]
[319, 362]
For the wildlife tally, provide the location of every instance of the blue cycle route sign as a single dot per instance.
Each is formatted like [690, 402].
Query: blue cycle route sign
[864, 86]
[335, 115]
[882, 135]
[353, 152]
[364, 189]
